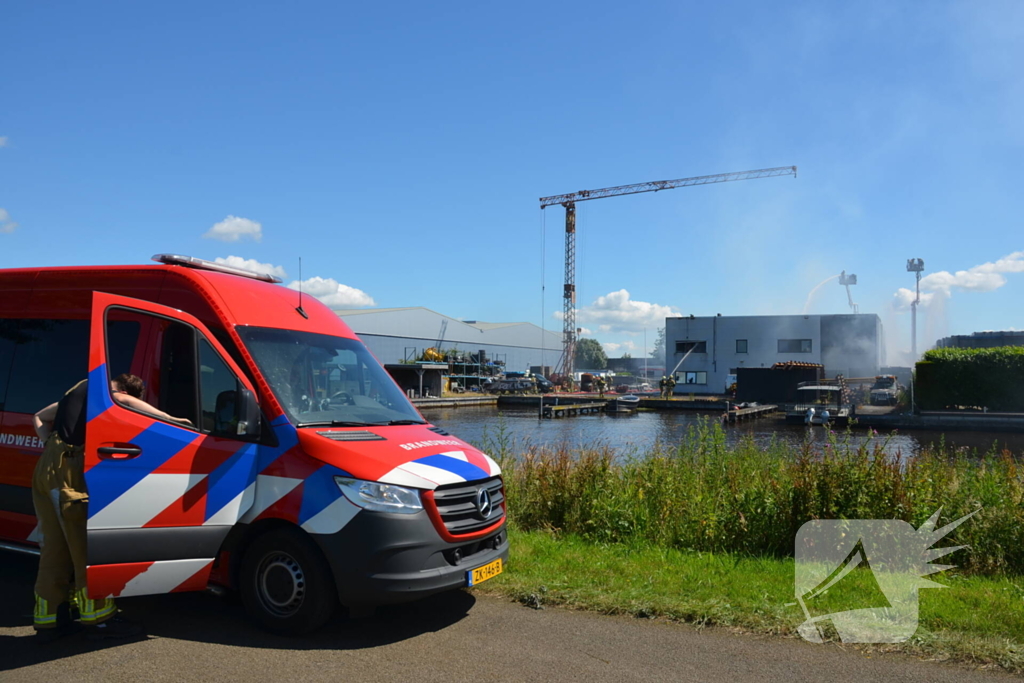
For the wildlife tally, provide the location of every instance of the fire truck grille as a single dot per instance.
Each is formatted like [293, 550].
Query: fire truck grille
[459, 505]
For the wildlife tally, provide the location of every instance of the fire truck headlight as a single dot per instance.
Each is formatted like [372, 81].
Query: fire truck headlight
[370, 495]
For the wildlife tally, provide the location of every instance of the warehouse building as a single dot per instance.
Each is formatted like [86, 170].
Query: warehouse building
[982, 340]
[851, 345]
[399, 335]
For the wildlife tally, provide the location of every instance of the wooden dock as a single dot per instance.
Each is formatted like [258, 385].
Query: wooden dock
[455, 401]
[733, 416]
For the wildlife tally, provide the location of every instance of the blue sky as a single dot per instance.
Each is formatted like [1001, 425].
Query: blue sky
[400, 149]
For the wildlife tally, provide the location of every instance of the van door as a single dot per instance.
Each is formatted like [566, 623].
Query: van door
[164, 489]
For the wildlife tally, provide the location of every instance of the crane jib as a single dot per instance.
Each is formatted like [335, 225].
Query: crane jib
[656, 185]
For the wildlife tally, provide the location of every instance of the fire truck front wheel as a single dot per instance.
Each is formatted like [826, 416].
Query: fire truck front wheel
[286, 583]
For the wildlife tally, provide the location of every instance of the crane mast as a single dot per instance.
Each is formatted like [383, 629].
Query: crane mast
[569, 330]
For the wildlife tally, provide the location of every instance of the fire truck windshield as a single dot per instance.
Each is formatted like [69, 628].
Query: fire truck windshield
[322, 380]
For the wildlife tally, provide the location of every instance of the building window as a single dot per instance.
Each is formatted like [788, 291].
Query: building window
[694, 377]
[741, 346]
[794, 346]
[695, 346]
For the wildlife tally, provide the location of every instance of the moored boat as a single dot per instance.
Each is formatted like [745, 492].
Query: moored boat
[622, 404]
[824, 406]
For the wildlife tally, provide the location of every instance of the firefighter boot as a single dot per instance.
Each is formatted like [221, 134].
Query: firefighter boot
[63, 625]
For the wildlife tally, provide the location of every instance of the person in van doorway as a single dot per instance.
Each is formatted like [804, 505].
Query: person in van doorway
[61, 500]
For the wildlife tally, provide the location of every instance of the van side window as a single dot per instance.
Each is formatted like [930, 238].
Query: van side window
[51, 356]
[218, 393]
[183, 373]
[122, 340]
[7, 328]
[177, 370]
[158, 350]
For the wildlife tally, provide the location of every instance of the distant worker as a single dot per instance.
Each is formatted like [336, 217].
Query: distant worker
[663, 385]
[671, 388]
[61, 499]
[600, 386]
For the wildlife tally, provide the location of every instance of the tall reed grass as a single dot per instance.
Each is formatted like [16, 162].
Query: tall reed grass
[706, 496]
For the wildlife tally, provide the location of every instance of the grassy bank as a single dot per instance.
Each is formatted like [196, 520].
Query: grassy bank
[704, 532]
[978, 619]
[702, 495]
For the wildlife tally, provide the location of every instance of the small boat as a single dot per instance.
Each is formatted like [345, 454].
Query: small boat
[622, 404]
[822, 407]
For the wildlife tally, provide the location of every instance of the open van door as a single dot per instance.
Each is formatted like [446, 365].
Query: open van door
[163, 493]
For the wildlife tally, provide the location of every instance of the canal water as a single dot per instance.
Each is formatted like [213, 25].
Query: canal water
[638, 432]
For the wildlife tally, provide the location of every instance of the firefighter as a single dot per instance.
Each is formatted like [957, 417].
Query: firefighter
[670, 386]
[61, 499]
[663, 385]
[600, 386]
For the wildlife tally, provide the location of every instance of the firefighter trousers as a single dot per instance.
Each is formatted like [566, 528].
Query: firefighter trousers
[61, 501]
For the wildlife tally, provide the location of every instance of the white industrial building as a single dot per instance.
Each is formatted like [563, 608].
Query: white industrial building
[396, 335]
[851, 345]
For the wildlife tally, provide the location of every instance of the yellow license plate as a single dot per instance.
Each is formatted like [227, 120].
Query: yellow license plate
[481, 574]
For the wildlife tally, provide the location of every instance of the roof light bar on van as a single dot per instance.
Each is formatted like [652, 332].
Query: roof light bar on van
[203, 264]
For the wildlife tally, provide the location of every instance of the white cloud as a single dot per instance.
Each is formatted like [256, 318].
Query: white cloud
[983, 278]
[625, 347]
[253, 265]
[7, 226]
[333, 293]
[616, 312]
[233, 229]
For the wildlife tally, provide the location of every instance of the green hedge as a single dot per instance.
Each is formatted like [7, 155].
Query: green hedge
[989, 378]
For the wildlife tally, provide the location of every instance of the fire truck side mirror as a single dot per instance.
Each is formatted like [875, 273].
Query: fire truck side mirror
[249, 414]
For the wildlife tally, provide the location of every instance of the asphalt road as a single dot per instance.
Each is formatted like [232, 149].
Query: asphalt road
[453, 637]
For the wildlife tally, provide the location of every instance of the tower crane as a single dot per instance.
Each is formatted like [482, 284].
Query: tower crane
[569, 331]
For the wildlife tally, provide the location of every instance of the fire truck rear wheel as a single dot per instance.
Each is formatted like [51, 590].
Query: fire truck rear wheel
[286, 583]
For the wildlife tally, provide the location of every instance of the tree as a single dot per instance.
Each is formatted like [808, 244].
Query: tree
[659, 345]
[590, 355]
[626, 356]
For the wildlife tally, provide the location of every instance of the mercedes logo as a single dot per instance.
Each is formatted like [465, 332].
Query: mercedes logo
[483, 503]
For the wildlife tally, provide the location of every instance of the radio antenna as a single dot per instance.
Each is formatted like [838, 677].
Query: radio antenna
[299, 309]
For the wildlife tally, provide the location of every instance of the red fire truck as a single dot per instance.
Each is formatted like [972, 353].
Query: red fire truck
[307, 479]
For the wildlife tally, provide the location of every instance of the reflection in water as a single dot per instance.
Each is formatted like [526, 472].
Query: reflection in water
[636, 433]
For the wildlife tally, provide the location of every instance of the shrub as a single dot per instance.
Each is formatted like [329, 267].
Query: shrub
[705, 496]
[976, 378]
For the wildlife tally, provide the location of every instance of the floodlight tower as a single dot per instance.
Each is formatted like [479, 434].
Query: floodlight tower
[915, 266]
